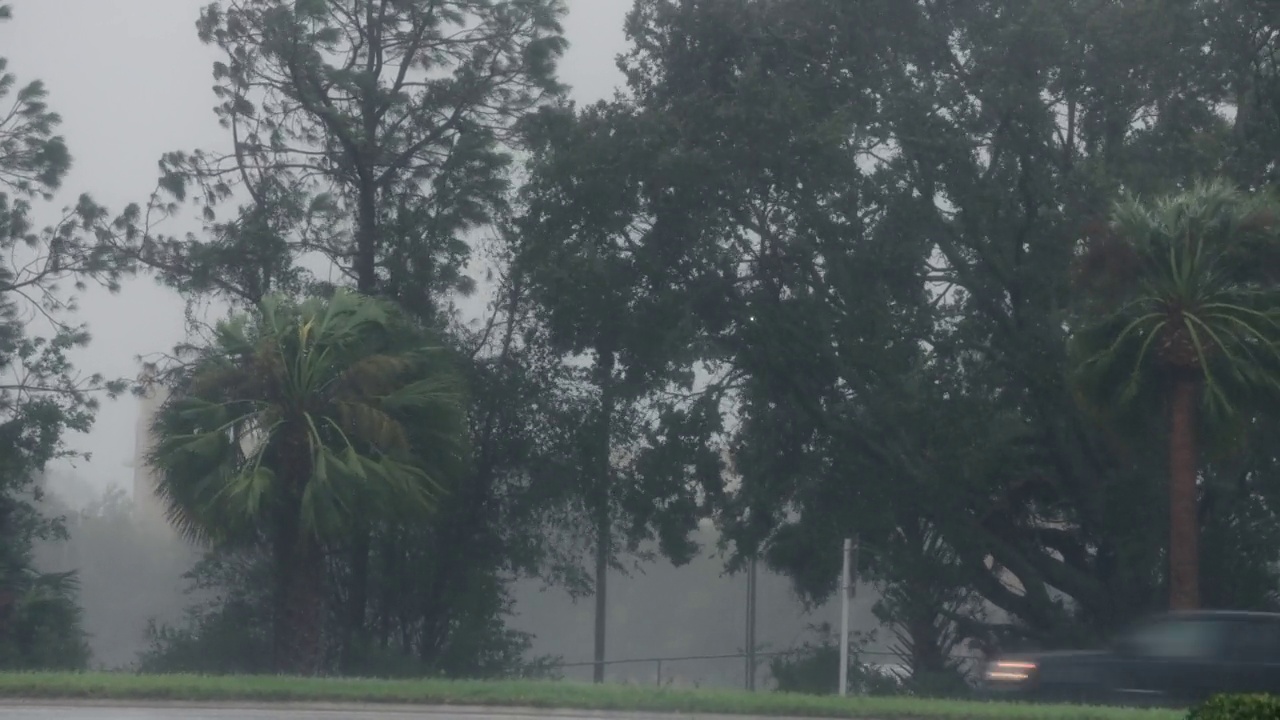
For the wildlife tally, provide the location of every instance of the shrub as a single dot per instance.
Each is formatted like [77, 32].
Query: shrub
[1238, 707]
[814, 668]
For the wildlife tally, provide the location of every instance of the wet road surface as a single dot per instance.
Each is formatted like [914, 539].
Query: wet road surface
[51, 711]
[195, 712]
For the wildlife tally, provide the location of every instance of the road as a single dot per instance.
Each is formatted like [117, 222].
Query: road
[88, 711]
[174, 712]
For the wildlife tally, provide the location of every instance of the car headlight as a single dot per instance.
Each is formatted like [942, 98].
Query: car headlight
[1010, 670]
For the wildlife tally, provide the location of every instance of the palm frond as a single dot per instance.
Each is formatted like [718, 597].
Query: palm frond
[437, 391]
[345, 380]
[375, 374]
[1170, 288]
[371, 425]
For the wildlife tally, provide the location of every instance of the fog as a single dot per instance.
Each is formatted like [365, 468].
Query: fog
[138, 99]
[130, 573]
[663, 611]
[131, 564]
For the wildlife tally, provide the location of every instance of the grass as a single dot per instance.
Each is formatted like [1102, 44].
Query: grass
[564, 695]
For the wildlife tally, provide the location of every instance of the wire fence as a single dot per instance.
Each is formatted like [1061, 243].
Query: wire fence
[665, 669]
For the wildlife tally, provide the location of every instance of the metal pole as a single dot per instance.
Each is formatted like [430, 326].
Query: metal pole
[751, 625]
[844, 619]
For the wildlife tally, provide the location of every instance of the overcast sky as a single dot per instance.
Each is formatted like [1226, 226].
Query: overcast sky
[132, 81]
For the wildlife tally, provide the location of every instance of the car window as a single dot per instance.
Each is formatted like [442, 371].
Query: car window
[1255, 641]
[1178, 639]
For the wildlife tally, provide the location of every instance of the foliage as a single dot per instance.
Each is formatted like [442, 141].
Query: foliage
[1236, 707]
[602, 281]
[1245, 41]
[832, 237]
[588, 249]
[537, 694]
[1239, 526]
[230, 632]
[366, 132]
[334, 381]
[294, 421]
[878, 223]
[432, 610]
[814, 668]
[1185, 281]
[42, 623]
[42, 395]
[1180, 308]
[923, 593]
[373, 137]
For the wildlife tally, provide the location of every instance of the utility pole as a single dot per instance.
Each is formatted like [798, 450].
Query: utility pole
[846, 588]
[750, 624]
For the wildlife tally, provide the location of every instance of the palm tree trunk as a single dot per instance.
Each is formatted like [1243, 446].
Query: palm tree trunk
[1184, 523]
[355, 632]
[300, 572]
[299, 638]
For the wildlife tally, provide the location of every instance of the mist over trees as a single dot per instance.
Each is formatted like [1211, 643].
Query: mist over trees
[820, 269]
[129, 572]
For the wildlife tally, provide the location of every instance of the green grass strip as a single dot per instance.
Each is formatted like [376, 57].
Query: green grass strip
[563, 695]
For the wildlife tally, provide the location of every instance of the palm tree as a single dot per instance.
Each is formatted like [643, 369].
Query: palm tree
[291, 421]
[1182, 311]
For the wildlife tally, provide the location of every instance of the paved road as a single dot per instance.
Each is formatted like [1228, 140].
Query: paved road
[63, 711]
[51, 712]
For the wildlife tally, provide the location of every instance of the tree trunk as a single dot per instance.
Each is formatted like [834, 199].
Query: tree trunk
[366, 283]
[366, 250]
[283, 550]
[602, 492]
[1184, 525]
[300, 576]
[354, 632]
[604, 543]
[298, 638]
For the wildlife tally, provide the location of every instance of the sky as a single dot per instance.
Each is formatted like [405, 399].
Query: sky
[132, 81]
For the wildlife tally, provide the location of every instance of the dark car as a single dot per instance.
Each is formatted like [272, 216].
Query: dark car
[1176, 660]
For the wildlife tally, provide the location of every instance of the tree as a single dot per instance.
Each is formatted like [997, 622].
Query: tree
[803, 275]
[1184, 310]
[43, 396]
[881, 219]
[289, 419]
[369, 131]
[601, 275]
[1246, 41]
[370, 134]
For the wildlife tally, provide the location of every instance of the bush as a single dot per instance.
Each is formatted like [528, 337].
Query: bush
[230, 632]
[41, 628]
[1238, 707]
[814, 668]
[227, 633]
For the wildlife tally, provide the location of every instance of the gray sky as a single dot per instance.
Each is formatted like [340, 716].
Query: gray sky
[132, 81]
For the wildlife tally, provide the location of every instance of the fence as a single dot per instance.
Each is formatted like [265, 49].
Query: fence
[659, 664]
